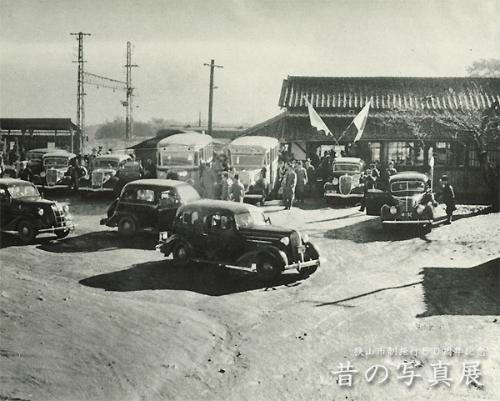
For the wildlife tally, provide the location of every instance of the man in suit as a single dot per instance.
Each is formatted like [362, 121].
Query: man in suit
[448, 198]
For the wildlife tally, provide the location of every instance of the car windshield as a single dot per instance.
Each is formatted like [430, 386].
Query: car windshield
[250, 219]
[256, 161]
[187, 193]
[34, 156]
[56, 161]
[178, 158]
[105, 163]
[23, 190]
[346, 167]
[408, 186]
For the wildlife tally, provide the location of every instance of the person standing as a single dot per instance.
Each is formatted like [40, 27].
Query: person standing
[301, 181]
[237, 190]
[369, 180]
[448, 197]
[390, 171]
[311, 177]
[289, 183]
[25, 173]
[225, 186]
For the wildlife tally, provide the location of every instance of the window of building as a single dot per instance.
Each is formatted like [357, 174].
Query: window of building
[374, 150]
[400, 152]
[442, 153]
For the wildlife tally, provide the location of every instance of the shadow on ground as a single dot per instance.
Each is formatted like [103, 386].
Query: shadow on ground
[462, 291]
[165, 275]
[100, 241]
[8, 240]
[372, 231]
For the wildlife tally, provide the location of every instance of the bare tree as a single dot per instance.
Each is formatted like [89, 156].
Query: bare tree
[480, 128]
[485, 68]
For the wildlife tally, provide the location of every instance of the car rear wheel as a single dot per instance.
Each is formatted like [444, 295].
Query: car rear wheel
[268, 269]
[181, 253]
[26, 231]
[127, 226]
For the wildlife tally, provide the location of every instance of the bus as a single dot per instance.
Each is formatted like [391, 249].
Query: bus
[181, 156]
[249, 155]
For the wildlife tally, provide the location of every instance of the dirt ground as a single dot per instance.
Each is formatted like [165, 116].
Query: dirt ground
[93, 317]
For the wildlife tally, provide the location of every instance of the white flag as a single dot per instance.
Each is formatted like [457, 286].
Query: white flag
[316, 120]
[360, 121]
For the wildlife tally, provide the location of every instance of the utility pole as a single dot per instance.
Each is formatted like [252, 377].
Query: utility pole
[80, 94]
[130, 94]
[212, 65]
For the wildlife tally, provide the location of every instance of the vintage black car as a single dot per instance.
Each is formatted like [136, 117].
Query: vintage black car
[345, 183]
[104, 175]
[408, 201]
[26, 214]
[55, 170]
[148, 205]
[237, 235]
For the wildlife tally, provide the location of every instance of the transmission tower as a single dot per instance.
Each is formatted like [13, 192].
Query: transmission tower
[129, 120]
[80, 103]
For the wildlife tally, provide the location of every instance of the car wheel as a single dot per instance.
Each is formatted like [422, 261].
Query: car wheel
[127, 226]
[268, 269]
[26, 231]
[181, 253]
[62, 234]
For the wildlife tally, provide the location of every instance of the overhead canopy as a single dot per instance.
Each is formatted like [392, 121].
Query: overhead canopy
[37, 124]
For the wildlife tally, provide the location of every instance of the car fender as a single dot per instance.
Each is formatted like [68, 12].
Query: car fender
[168, 246]
[312, 251]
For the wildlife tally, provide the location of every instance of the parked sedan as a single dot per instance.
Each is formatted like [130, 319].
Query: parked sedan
[238, 236]
[148, 205]
[26, 214]
[408, 201]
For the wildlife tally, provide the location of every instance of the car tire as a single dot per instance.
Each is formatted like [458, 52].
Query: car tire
[62, 234]
[268, 269]
[127, 226]
[181, 253]
[26, 231]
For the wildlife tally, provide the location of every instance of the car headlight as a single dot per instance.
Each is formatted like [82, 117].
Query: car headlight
[393, 210]
[305, 238]
[285, 241]
[40, 211]
[65, 209]
[42, 174]
[163, 235]
[420, 209]
[335, 181]
[183, 173]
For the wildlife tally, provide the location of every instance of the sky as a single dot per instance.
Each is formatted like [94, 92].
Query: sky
[259, 43]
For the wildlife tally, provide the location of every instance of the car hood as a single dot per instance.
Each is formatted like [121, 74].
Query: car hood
[266, 231]
[34, 200]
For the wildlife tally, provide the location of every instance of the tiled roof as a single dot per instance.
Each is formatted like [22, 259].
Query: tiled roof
[389, 93]
[37, 124]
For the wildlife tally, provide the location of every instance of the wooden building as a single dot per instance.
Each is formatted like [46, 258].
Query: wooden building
[339, 100]
[34, 133]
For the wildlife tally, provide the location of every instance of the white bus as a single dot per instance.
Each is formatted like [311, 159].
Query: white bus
[180, 156]
[249, 155]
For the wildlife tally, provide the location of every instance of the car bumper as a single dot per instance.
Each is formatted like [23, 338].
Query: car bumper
[57, 186]
[403, 222]
[52, 230]
[303, 265]
[337, 195]
[88, 189]
[253, 196]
